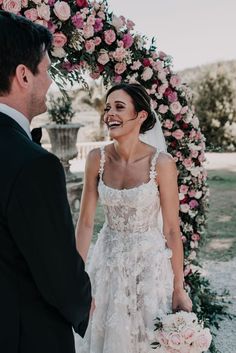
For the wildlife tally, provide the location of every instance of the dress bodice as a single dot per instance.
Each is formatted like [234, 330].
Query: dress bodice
[130, 210]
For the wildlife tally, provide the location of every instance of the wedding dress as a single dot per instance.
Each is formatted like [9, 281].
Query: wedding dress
[130, 270]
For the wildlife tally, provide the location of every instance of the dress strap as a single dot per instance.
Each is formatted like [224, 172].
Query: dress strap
[102, 161]
[153, 173]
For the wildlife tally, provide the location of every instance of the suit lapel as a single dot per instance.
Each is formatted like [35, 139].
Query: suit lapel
[6, 120]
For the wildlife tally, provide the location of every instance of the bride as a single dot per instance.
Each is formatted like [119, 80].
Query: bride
[136, 268]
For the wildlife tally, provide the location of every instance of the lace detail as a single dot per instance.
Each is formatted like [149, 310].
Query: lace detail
[102, 161]
[130, 270]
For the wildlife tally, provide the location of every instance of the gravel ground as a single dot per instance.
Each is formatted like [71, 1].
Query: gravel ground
[222, 275]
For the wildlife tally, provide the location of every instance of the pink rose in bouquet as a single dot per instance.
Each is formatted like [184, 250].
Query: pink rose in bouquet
[181, 333]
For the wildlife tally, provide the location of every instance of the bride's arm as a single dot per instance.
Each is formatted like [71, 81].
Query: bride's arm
[84, 228]
[168, 187]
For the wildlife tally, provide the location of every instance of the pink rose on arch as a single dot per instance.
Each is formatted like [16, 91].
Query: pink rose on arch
[162, 55]
[120, 68]
[162, 88]
[119, 54]
[59, 40]
[201, 157]
[44, 11]
[175, 107]
[118, 78]
[136, 65]
[130, 25]
[193, 204]
[117, 22]
[178, 134]
[109, 36]
[13, 6]
[168, 124]
[62, 10]
[103, 58]
[157, 65]
[77, 20]
[187, 163]
[90, 46]
[192, 193]
[88, 31]
[97, 41]
[175, 81]
[172, 97]
[184, 109]
[91, 20]
[82, 3]
[179, 155]
[147, 74]
[195, 237]
[154, 104]
[127, 40]
[101, 14]
[31, 14]
[52, 27]
[183, 189]
[178, 117]
[184, 208]
[146, 62]
[98, 26]
[187, 270]
[24, 3]
[194, 153]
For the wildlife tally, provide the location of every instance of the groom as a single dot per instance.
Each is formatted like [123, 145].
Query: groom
[44, 290]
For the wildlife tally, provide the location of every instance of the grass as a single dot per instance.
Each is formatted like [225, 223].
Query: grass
[221, 231]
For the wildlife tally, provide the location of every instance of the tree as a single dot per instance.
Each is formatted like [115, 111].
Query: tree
[215, 107]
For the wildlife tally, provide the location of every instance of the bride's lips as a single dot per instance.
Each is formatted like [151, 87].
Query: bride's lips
[114, 124]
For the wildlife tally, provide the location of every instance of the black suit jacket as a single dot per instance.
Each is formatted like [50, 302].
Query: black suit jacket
[44, 290]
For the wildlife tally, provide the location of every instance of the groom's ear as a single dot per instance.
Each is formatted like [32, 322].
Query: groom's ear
[23, 76]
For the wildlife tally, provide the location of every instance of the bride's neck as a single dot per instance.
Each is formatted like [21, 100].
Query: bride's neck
[127, 149]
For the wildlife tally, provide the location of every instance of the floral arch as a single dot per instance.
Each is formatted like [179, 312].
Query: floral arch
[88, 37]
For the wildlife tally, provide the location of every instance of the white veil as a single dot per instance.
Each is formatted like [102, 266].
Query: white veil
[155, 136]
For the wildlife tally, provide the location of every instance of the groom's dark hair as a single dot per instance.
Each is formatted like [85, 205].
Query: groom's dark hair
[21, 42]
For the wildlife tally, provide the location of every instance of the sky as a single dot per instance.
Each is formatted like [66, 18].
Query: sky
[193, 32]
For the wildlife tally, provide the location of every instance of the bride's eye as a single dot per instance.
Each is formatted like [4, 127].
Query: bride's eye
[106, 109]
[119, 107]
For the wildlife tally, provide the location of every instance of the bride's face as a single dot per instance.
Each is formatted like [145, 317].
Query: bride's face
[119, 111]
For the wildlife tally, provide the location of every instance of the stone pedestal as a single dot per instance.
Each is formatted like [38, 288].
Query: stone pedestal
[74, 192]
[63, 140]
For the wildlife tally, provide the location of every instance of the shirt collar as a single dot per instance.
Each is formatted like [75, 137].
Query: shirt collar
[17, 116]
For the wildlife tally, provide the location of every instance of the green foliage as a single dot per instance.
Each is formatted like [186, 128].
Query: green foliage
[60, 110]
[209, 306]
[216, 110]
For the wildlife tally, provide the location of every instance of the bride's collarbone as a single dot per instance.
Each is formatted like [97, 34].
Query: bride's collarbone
[125, 176]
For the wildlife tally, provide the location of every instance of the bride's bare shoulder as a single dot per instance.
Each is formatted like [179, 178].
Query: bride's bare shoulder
[93, 161]
[166, 163]
[165, 157]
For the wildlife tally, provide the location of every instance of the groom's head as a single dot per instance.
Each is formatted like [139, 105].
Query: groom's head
[24, 64]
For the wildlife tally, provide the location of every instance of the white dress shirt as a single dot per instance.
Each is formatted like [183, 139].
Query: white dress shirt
[17, 116]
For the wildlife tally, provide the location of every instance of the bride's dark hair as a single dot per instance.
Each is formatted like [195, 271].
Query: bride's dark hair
[141, 101]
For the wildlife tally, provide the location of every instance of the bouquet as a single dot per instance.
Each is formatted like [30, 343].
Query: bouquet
[181, 333]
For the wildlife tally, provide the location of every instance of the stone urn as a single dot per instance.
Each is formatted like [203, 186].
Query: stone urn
[63, 140]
